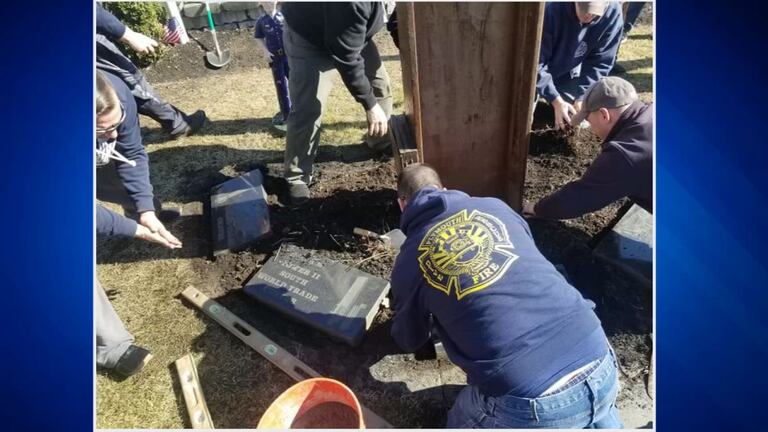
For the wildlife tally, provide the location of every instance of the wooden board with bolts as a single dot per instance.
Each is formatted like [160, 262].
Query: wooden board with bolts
[193, 393]
[271, 351]
[404, 147]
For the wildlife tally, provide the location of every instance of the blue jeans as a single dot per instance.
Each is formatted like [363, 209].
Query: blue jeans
[590, 404]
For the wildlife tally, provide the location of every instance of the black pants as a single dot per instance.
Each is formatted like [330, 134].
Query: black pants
[110, 59]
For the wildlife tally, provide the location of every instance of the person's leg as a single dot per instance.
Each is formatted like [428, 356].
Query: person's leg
[379, 79]
[112, 339]
[309, 84]
[468, 411]
[174, 121]
[633, 12]
[605, 390]
[109, 188]
[280, 74]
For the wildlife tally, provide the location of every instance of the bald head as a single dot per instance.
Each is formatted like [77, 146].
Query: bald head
[415, 177]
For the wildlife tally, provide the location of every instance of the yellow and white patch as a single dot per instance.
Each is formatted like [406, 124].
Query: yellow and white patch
[465, 252]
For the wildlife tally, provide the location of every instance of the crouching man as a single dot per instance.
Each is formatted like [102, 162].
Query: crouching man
[533, 349]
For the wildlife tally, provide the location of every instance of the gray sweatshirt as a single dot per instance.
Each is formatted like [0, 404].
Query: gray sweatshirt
[624, 168]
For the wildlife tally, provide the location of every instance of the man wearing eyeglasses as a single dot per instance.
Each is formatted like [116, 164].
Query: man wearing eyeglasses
[122, 178]
[624, 167]
[579, 42]
[122, 175]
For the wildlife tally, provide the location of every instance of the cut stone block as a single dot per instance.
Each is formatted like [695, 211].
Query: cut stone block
[629, 244]
[239, 213]
[336, 299]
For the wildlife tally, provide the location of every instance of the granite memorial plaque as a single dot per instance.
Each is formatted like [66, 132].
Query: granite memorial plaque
[629, 244]
[239, 213]
[339, 300]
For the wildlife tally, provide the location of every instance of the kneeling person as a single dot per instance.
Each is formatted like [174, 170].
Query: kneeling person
[533, 349]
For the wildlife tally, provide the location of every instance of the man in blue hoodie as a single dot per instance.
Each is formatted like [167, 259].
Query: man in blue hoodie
[579, 43]
[533, 349]
[122, 174]
[117, 128]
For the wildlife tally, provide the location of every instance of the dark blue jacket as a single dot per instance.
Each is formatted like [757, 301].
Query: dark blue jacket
[109, 223]
[624, 168]
[342, 29]
[566, 44]
[129, 144]
[505, 315]
[108, 25]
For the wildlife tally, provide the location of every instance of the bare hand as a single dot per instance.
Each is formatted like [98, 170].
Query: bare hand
[529, 210]
[156, 229]
[377, 121]
[139, 42]
[563, 112]
[577, 105]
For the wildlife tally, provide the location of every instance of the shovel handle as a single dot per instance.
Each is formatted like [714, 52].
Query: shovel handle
[210, 17]
[365, 233]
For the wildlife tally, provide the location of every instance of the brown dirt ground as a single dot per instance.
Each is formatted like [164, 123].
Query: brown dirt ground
[355, 188]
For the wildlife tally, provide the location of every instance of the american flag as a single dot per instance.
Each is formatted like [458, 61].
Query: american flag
[172, 35]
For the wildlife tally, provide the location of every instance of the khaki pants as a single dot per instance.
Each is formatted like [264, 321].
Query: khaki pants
[309, 84]
[112, 339]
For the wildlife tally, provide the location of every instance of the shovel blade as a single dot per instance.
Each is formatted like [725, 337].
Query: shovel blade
[395, 238]
[214, 60]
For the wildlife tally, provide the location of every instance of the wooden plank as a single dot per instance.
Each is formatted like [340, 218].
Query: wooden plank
[528, 20]
[471, 90]
[199, 416]
[407, 37]
[289, 364]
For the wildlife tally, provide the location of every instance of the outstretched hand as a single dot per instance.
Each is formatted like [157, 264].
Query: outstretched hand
[151, 229]
[139, 42]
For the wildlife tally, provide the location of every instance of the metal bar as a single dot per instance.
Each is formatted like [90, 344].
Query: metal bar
[284, 360]
[199, 415]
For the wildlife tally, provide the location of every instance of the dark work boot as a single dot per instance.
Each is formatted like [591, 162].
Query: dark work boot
[132, 361]
[195, 121]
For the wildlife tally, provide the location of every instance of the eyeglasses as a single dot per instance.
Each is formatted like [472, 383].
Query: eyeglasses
[115, 126]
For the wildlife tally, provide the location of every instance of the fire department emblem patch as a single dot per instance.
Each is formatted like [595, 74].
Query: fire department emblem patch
[466, 253]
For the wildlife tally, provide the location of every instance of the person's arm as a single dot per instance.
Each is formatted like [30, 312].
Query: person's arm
[605, 181]
[109, 223]
[545, 85]
[345, 32]
[129, 144]
[599, 62]
[411, 324]
[108, 25]
[264, 50]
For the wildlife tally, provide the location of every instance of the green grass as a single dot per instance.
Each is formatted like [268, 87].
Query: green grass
[147, 280]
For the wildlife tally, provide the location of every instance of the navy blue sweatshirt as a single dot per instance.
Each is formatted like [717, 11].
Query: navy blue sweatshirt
[505, 315]
[624, 168]
[109, 223]
[566, 44]
[343, 29]
[107, 25]
[129, 144]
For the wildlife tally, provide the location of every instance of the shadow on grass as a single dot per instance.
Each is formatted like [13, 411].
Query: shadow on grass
[240, 384]
[646, 36]
[242, 126]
